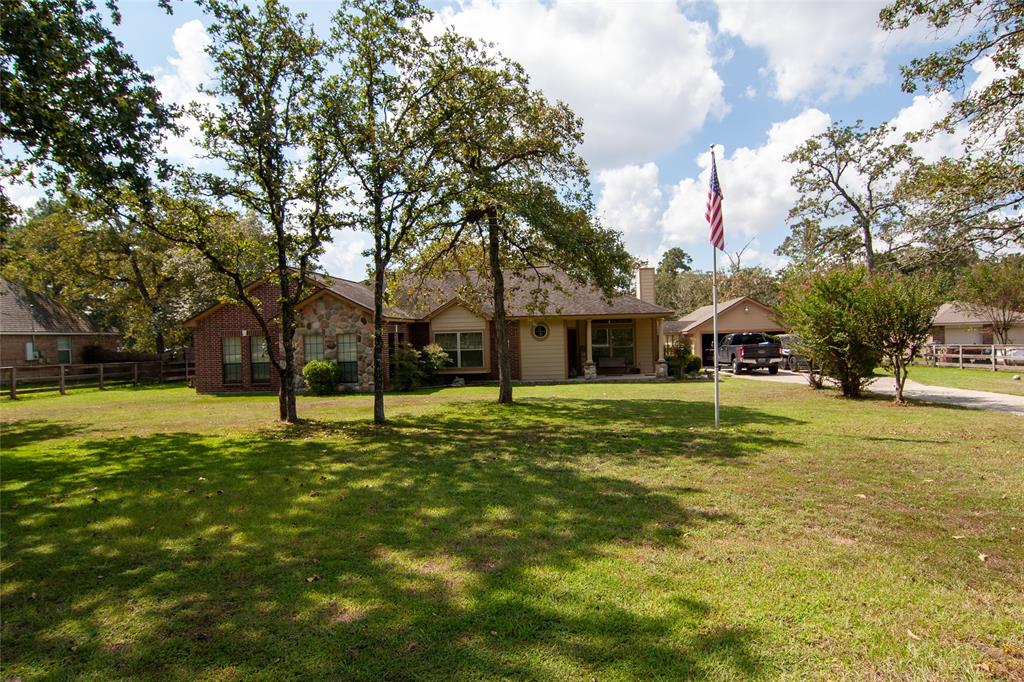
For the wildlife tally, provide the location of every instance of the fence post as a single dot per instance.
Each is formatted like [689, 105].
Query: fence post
[63, 391]
[961, 356]
[14, 382]
[161, 371]
[101, 376]
[135, 374]
[994, 357]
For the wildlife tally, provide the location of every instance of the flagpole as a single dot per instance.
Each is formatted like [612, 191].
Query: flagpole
[714, 305]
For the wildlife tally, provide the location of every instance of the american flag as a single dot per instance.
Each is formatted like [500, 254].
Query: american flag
[714, 211]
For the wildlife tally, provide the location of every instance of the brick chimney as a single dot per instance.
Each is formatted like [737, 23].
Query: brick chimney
[644, 289]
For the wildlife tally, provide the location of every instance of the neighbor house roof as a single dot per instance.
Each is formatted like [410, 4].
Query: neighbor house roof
[545, 291]
[23, 311]
[697, 317]
[955, 313]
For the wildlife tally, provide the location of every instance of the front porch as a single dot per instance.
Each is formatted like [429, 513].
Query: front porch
[620, 348]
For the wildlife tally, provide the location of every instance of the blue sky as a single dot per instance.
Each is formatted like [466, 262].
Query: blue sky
[656, 83]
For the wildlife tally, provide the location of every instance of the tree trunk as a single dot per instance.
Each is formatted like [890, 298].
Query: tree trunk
[378, 342]
[290, 410]
[901, 379]
[869, 248]
[500, 330]
[161, 345]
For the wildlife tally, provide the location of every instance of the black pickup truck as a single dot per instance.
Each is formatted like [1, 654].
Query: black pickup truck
[750, 351]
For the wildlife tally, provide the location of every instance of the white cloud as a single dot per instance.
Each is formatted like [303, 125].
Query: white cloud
[24, 195]
[755, 187]
[631, 202]
[640, 74]
[924, 112]
[343, 257]
[815, 49]
[180, 85]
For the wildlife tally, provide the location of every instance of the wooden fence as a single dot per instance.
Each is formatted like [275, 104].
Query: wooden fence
[974, 356]
[40, 378]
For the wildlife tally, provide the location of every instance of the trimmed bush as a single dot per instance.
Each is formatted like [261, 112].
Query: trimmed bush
[321, 376]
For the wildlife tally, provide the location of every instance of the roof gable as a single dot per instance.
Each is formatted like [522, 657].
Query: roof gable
[25, 311]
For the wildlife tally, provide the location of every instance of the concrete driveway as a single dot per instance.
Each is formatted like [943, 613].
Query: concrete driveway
[979, 400]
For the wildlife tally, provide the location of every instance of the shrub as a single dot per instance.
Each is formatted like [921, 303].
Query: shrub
[321, 376]
[682, 361]
[902, 312]
[833, 313]
[433, 359]
[408, 370]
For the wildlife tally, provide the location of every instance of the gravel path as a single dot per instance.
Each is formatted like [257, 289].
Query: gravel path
[979, 400]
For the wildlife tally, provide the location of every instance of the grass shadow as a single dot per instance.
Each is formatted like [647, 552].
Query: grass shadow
[443, 546]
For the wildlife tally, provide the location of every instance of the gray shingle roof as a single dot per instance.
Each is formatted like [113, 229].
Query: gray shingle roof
[957, 313]
[23, 311]
[546, 292]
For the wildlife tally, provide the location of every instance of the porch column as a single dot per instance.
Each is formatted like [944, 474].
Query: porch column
[660, 367]
[589, 368]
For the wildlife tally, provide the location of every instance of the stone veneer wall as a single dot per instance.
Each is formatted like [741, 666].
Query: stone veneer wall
[331, 316]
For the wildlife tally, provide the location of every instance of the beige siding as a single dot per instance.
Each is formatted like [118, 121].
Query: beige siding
[543, 359]
[460, 319]
[755, 319]
[456, 319]
[643, 345]
[644, 287]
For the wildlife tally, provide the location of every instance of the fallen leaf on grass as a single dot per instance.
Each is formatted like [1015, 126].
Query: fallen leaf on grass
[910, 633]
[861, 496]
[983, 557]
[959, 537]
[313, 578]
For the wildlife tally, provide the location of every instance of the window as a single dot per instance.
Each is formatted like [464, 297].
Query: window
[466, 349]
[232, 359]
[540, 331]
[610, 341]
[348, 358]
[63, 350]
[260, 360]
[313, 347]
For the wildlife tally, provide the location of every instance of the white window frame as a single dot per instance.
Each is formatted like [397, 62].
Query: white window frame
[307, 356]
[66, 340]
[458, 350]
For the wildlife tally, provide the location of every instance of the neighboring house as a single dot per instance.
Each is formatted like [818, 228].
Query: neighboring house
[954, 326]
[36, 330]
[557, 330]
[742, 314]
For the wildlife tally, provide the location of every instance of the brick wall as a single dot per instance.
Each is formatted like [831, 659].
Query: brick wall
[232, 320]
[12, 347]
[326, 315]
[512, 330]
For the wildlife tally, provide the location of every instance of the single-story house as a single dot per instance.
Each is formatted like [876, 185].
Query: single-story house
[37, 330]
[557, 330]
[955, 325]
[742, 314]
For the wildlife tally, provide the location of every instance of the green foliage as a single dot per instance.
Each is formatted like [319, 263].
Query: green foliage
[971, 200]
[408, 369]
[666, 278]
[78, 107]
[902, 309]
[832, 313]
[321, 376]
[682, 361]
[109, 266]
[995, 290]
[846, 179]
[433, 358]
[691, 290]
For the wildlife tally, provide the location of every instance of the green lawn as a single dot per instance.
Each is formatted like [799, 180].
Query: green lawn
[973, 379]
[589, 532]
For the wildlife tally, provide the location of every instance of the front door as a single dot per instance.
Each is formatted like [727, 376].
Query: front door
[572, 348]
